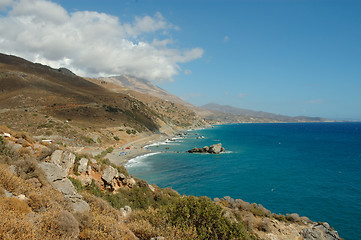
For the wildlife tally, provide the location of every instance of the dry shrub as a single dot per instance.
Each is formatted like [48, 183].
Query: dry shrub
[293, 217]
[14, 205]
[15, 226]
[24, 135]
[46, 152]
[5, 129]
[102, 222]
[45, 196]
[266, 225]
[58, 224]
[9, 181]
[253, 222]
[152, 223]
[28, 168]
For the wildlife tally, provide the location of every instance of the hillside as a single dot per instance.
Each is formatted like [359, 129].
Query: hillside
[48, 192]
[216, 113]
[144, 86]
[57, 104]
[61, 175]
[212, 112]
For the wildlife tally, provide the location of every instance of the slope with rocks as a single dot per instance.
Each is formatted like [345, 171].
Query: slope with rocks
[58, 105]
[48, 192]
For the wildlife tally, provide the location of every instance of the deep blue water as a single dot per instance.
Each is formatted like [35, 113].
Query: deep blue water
[313, 169]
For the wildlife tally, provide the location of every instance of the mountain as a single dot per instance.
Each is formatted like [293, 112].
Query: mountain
[39, 99]
[215, 112]
[143, 86]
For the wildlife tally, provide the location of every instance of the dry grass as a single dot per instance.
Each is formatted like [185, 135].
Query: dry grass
[103, 221]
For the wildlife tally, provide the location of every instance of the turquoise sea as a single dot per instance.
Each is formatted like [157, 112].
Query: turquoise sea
[313, 169]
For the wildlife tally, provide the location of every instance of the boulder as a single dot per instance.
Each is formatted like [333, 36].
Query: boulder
[321, 231]
[64, 159]
[109, 174]
[89, 170]
[126, 211]
[214, 149]
[93, 161]
[57, 176]
[130, 182]
[14, 147]
[83, 164]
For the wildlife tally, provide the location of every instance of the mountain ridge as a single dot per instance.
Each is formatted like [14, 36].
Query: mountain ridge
[246, 115]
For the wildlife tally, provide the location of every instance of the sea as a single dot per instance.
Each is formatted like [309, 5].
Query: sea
[313, 169]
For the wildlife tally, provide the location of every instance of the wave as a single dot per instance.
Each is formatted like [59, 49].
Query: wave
[138, 161]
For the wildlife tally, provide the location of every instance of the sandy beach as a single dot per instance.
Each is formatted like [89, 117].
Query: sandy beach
[122, 153]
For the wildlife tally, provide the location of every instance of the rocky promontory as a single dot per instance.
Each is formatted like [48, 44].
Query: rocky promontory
[213, 149]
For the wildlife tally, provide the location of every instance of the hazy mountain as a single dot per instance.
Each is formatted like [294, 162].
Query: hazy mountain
[232, 114]
[144, 86]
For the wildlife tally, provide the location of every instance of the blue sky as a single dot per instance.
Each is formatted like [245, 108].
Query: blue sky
[292, 57]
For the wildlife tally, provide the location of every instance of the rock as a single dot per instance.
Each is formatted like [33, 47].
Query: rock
[130, 182]
[57, 176]
[86, 181]
[215, 149]
[89, 170]
[321, 231]
[109, 174]
[22, 197]
[53, 171]
[157, 238]
[8, 194]
[64, 159]
[83, 164]
[122, 176]
[126, 211]
[93, 161]
[40, 149]
[14, 147]
[12, 169]
[151, 188]
[193, 150]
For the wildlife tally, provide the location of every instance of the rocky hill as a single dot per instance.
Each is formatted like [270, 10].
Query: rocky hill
[58, 179]
[57, 104]
[48, 192]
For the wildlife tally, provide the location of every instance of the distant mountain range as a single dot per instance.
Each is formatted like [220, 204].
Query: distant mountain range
[228, 113]
[212, 112]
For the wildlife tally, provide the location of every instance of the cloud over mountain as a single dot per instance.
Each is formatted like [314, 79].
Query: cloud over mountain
[91, 43]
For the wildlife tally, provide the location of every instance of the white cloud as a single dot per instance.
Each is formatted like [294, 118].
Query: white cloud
[91, 43]
[5, 3]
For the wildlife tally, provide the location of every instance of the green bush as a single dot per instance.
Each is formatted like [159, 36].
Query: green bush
[77, 184]
[206, 217]
[116, 138]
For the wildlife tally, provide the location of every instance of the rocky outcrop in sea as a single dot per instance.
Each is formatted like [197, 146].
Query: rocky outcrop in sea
[213, 149]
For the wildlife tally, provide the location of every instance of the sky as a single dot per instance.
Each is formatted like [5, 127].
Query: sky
[291, 57]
